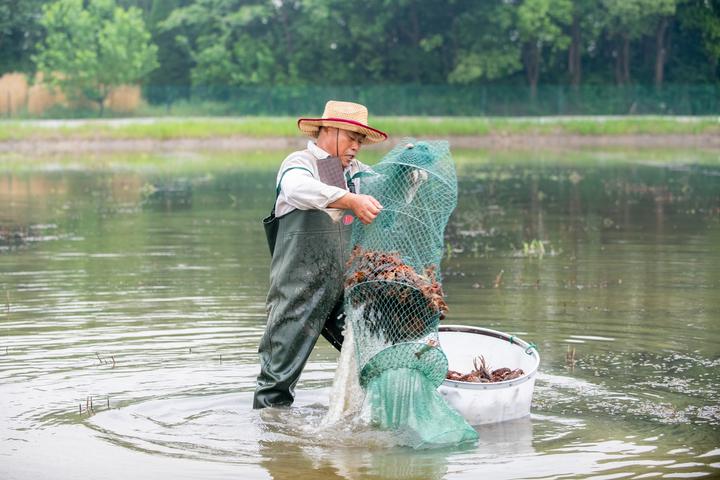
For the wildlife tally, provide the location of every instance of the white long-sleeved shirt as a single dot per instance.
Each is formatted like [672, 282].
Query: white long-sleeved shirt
[303, 190]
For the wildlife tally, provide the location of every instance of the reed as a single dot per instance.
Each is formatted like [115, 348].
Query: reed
[124, 99]
[13, 93]
[18, 97]
[43, 97]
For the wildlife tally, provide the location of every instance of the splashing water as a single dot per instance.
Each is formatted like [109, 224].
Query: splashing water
[346, 396]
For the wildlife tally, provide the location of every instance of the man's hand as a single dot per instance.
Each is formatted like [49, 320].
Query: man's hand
[365, 207]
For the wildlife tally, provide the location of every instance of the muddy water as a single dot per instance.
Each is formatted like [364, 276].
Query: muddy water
[131, 304]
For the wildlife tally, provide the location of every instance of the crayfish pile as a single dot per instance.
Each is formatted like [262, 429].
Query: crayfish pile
[370, 266]
[397, 300]
[483, 374]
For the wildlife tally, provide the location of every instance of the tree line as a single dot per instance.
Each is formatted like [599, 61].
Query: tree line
[236, 43]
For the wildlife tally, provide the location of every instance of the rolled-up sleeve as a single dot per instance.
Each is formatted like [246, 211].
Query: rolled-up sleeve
[303, 191]
[300, 188]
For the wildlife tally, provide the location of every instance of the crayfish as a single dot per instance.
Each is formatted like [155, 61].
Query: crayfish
[483, 373]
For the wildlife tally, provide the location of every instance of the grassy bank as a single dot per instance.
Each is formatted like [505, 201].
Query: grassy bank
[259, 127]
[204, 163]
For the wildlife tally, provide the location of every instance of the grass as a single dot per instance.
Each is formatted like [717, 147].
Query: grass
[466, 161]
[259, 127]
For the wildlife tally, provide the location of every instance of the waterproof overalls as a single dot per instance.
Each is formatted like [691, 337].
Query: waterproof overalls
[304, 300]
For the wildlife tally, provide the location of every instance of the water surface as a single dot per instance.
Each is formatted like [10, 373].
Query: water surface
[138, 285]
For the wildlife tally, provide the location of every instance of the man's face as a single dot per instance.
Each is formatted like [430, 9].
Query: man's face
[348, 145]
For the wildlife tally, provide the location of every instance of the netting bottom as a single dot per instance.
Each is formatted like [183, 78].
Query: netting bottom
[428, 360]
[404, 400]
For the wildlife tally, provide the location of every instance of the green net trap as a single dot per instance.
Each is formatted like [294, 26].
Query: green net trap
[394, 297]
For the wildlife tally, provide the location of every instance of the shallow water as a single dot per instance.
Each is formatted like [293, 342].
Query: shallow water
[141, 288]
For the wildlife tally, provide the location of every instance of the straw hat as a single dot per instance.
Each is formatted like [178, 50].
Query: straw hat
[344, 115]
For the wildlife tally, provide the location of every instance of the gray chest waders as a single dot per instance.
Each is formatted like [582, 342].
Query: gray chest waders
[304, 300]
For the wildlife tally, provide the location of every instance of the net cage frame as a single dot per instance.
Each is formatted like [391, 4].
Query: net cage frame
[393, 294]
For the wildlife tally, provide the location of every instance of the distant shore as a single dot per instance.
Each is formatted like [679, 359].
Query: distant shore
[279, 133]
[233, 143]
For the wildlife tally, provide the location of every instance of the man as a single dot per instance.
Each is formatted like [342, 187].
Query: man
[314, 189]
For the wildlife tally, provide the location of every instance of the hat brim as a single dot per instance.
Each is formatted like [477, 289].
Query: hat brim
[311, 127]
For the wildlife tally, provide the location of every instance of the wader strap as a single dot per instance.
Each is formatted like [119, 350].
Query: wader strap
[277, 190]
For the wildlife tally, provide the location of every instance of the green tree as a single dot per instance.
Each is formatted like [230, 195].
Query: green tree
[505, 37]
[240, 42]
[231, 42]
[704, 16]
[630, 20]
[662, 16]
[541, 27]
[166, 82]
[89, 50]
[585, 29]
[19, 32]
[220, 45]
[403, 41]
[487, 43]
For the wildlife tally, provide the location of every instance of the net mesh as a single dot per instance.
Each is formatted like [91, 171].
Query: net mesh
[393, 292]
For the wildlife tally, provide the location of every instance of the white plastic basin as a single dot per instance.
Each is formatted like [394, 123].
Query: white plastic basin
[482, 403]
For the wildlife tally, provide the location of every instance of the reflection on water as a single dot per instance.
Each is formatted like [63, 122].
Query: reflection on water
[143, 292]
